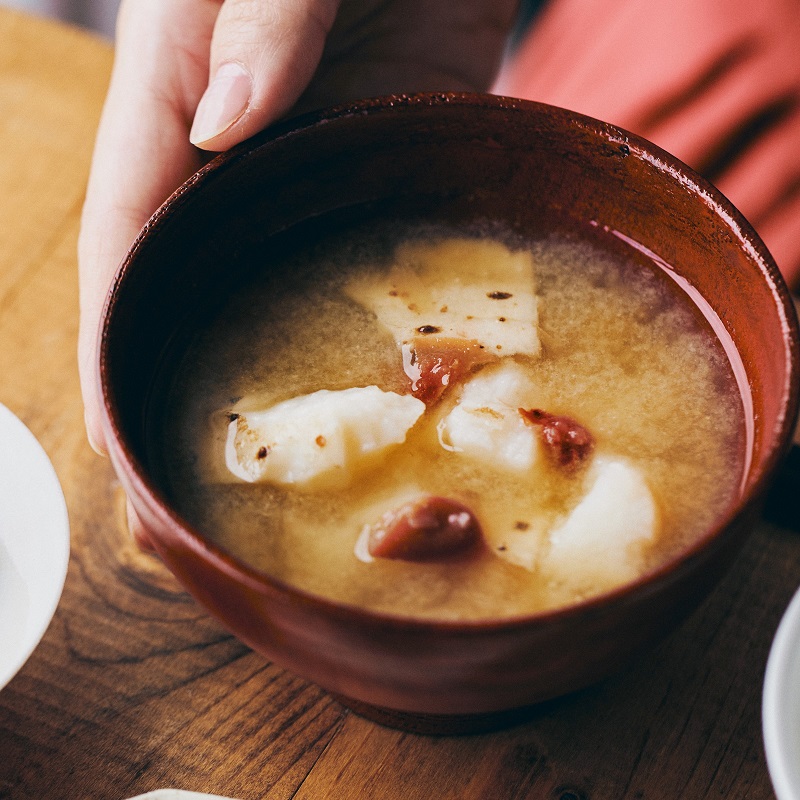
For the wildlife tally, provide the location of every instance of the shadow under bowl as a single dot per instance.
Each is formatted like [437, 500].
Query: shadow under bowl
[453, 159]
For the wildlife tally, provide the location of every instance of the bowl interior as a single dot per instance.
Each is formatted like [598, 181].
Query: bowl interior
[454, 159]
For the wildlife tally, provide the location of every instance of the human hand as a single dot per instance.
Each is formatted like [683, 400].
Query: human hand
[263, 58]
[715, 82]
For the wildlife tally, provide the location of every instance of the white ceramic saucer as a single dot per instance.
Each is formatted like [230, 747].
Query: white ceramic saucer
[781, 705]
[177, 794]
[34, 543]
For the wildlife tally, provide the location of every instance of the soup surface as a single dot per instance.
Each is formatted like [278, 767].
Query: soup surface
[563, 394]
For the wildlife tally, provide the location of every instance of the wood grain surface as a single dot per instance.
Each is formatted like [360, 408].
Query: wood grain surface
[135, 688]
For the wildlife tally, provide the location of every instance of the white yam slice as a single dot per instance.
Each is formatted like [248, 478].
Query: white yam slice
[602, 542]
[471, 289]
[486, 423]
[321, 437]
[518, 538]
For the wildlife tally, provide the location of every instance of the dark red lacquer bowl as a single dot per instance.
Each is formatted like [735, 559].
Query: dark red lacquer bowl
[453, 158]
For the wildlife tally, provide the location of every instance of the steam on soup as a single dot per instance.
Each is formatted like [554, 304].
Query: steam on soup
[440, 424]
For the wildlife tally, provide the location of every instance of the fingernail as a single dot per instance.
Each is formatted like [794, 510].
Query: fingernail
[224, 102]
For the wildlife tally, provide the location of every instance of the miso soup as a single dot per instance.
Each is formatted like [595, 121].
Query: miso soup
[557, 412]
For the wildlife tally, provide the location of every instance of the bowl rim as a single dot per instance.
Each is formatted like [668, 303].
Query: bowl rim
[269, 585]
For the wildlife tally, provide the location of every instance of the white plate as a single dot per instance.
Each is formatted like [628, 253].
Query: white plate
[34, 543]
[781, 705]
[177, 794]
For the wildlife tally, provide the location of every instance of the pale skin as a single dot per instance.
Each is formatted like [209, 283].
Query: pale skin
[270, 57]
[192, 77]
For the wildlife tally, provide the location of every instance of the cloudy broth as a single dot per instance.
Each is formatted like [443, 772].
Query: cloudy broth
[623, 350]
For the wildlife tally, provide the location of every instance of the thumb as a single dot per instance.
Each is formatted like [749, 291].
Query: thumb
[263, 55]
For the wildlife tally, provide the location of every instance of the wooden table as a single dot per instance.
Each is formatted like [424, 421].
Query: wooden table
[134, 687]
